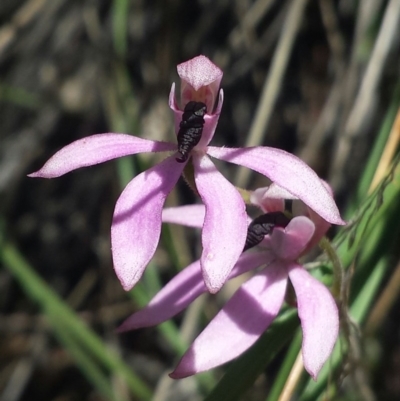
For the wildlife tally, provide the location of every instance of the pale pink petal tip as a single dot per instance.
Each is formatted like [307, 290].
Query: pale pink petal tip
[199, 71]
[172, 299]
[319, 318]
[136, 226]
[96, 149]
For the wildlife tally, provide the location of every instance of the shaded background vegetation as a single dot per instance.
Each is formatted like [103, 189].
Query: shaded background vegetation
[71, 68]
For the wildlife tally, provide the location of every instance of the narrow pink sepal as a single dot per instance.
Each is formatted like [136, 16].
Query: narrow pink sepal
[136, 225]
[183, 289]
[289, 243]
[225, 224]
[289, 172]
[188, 215]
[319, 318]
[97, 149]
[238, 325]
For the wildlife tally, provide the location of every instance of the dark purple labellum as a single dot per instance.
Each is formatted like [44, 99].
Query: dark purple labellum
[190, 129]
[264, 225]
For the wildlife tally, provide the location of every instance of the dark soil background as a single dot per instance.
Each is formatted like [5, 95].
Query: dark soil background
[67, 72]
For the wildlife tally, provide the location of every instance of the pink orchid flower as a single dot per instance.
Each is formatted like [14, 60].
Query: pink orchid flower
[257, 302]
[136, 224]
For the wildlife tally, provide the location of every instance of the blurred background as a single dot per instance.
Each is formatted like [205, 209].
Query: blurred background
[316, 78]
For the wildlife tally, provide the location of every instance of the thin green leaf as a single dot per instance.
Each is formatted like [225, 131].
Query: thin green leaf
[120, 26]
[54, 307]
[87, 365]
[286, 367]
[358, 311]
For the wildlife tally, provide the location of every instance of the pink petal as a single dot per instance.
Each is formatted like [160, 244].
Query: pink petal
[200, 80]
[189, 215]
[225, 225]
[136, 226]
[289, 243]
[319, 318]
[97, 149]
[273, 191]
[183, 289]
[239, 324]
[321, 227]
[289, 172]
[199, 71]
[250, 261]
[260, 197]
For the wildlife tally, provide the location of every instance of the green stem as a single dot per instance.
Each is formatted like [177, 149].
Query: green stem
[337, 266]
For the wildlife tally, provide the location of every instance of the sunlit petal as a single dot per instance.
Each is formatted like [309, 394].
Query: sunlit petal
[239, 324]
[172, 299]
[289, 172]
[182, 290]
[189, 215]
[319, 318]
[97, 149]
[136, 225]
[200, 80]
[225, 224]
[269, 200]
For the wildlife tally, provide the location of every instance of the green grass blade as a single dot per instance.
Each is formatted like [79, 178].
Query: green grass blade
[358, 311]
[286, 367]
[120, 15]
[19, 97]
[54, 307]
[87, 365]
[374, 158]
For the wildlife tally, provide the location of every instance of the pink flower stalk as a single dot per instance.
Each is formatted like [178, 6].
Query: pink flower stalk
[136, 225]
[257, 302]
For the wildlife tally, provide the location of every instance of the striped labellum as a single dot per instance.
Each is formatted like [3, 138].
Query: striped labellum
[190, 129]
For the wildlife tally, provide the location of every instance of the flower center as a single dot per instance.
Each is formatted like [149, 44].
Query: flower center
[264, 225]
[190, 129]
